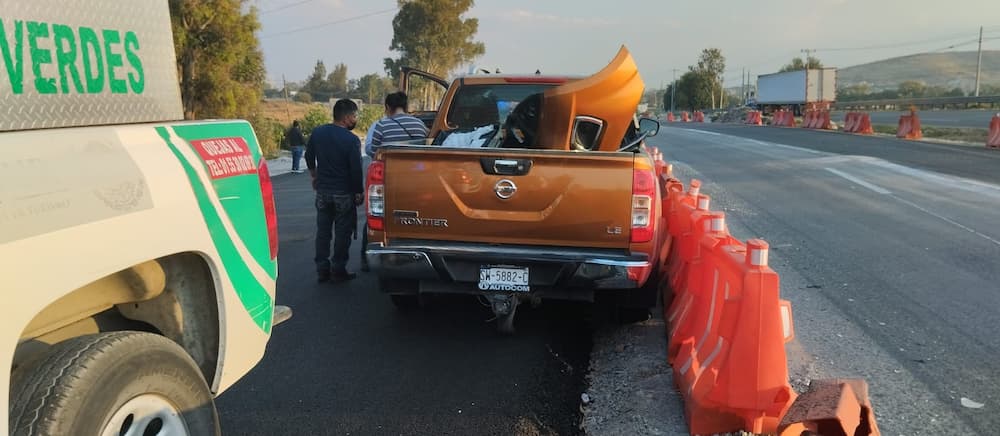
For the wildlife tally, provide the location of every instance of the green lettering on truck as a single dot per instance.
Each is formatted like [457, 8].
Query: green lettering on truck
[136, 81]
[39, 57]
[92, 58]
[65, 43]
[112, 37]
[14, 61]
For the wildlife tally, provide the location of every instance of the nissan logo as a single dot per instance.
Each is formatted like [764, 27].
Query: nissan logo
[505, 189]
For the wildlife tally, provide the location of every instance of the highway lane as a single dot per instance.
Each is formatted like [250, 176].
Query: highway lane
[349, 363]
[888, 250]
[939, 118]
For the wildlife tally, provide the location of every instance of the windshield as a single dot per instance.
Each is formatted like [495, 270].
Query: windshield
[481, 105]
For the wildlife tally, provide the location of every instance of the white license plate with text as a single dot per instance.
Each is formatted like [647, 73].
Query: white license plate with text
[503, 279]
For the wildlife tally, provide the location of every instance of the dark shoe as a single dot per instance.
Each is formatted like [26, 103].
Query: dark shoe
[343, 276]
[323, 276]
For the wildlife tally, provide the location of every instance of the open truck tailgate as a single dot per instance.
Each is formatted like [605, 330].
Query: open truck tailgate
[504, 196]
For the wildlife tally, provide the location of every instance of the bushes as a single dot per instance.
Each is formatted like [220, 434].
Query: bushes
[318, 115]
[368, 115]
[270, 135]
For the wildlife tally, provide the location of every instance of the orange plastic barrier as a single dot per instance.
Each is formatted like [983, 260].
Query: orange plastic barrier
[864, 124]
[731, 366]
[754, 118]
[699, 117]
[831, 407]
[670, 117]
[783, 118]
[727, 329]
[817, 119]
[909, 126]
[851, 121]
[685, 117]
[858, 122]
[993, 140]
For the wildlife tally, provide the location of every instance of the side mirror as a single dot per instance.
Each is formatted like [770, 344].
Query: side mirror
[649, 127]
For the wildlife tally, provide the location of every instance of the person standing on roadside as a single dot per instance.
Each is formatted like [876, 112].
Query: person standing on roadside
[333, 156]
[395, 126]
[297, 143]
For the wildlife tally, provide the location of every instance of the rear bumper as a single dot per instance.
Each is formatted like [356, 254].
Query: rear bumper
[562, 273]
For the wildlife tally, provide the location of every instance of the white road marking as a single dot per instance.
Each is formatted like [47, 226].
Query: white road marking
[882, 191]
[877, 189]
[947, 220]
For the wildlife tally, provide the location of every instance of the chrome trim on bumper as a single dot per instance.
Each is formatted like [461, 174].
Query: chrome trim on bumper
[520, 253]
[593, 269]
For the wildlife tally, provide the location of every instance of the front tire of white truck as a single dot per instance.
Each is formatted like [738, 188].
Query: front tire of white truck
[119, 383]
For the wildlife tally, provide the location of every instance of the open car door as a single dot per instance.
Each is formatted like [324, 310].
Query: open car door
[425, 92]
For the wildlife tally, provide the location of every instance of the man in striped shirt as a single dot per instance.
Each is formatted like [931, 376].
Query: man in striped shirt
[397, 125]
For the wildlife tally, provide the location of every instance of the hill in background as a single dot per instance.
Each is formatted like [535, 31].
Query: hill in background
[948, 70]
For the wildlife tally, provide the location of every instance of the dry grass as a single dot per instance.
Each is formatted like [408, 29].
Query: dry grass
[284, 113]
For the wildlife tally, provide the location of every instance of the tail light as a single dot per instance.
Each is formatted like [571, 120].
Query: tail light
[270, 212]
[643, 194]
[376, 195]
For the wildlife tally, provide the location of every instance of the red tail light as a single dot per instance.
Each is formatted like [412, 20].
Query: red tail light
[376, 195]
[270, 211]
[643, 195]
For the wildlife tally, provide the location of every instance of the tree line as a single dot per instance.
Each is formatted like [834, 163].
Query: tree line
[321, 87]
[221, 67]
[701, 86]
[907, 89]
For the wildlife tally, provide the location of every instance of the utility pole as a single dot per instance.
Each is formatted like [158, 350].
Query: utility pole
[284, 84]
[673, 90]
[979, 64]
[743, 87]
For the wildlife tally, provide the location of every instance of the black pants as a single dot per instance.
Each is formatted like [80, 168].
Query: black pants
[336, 218]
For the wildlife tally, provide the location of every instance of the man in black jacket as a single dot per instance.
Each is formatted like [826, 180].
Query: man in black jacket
[333, 156]
[297, 143]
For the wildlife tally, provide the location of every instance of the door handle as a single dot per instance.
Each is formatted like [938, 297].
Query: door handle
[505, 167]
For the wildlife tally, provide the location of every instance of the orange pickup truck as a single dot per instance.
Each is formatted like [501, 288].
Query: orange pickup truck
[528, 188]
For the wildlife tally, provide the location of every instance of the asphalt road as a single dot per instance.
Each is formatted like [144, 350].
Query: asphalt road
[349, 363]
[889, 251]
[938, 118]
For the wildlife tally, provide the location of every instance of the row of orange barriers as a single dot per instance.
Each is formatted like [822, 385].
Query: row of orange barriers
[783, 118]
[697, 116]
[727, 328]
[858, 122]
[993, 137]
[754, 118]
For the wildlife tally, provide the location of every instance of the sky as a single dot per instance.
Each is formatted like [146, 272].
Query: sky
[581, 36]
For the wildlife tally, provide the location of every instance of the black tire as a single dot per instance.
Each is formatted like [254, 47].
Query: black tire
[405, 302]
[634, 305]
[78, 386]
[402, 292]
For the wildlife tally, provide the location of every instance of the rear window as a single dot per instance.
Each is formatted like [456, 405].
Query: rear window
[480, 105]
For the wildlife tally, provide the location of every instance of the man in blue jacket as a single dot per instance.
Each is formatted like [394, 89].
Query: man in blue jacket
[333, 156]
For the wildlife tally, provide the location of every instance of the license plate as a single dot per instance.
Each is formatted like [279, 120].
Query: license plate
[503, 279]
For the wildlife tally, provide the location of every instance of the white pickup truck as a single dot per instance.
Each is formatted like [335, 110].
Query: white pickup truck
[138, 252]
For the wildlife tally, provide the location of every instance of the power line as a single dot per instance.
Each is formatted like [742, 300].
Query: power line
[331, 23]
[288, 6]
[899, 44]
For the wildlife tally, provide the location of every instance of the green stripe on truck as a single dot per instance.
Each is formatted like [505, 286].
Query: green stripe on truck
[252, 294]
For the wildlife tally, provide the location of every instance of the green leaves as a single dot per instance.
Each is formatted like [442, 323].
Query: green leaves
[219, 61]
[433, 36]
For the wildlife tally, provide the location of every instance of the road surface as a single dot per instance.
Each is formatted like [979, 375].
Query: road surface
[938, 118]
[348, 363]
[889, 251]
